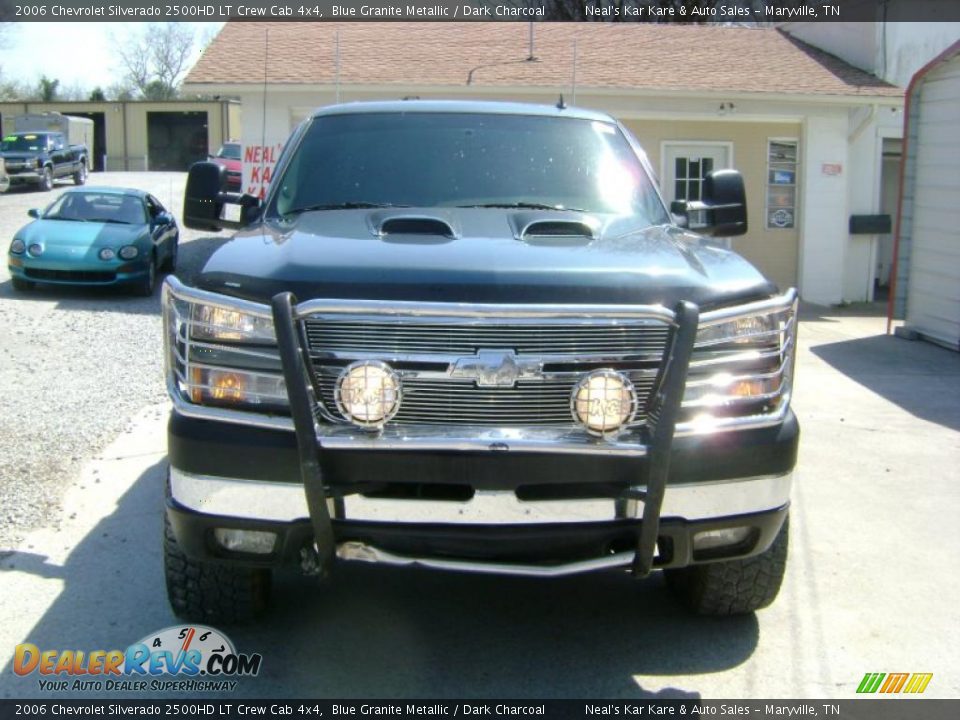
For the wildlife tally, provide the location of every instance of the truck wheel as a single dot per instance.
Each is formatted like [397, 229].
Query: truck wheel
[80, 176]
[733, 587]
[46, 179]
[20, 285]
[215, 593]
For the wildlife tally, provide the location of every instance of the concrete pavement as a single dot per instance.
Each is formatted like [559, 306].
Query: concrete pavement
[870, 583]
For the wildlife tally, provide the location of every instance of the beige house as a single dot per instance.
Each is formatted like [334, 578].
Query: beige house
[805, 128]
[138, 135]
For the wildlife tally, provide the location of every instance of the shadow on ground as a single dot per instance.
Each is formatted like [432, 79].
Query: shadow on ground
[920, 377]
[376, 632]
[193, 255]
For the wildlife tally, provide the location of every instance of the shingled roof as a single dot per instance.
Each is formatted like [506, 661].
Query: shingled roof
[609, 56]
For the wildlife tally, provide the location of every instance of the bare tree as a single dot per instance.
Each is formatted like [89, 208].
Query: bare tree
[156, 58]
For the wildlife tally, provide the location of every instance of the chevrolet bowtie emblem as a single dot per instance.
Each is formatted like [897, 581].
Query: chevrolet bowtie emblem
[495, 368]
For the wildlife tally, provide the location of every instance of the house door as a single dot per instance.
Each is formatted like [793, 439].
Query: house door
[685, 165]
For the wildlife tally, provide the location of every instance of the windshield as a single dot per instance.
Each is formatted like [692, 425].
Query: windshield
[97, 207]
[24, 143]
[230, 151]
[466, 160]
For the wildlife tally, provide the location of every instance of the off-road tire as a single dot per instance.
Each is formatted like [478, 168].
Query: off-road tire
[80, 176]
[46, 178]
[21, 285]
[214, 593]
[733, 587]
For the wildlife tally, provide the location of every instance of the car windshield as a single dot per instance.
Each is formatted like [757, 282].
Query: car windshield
[97, 207]
[466, 160]
[23, 143]
[230, 151]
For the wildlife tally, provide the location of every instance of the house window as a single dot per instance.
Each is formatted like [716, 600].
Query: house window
[689, 173]
[781, 209]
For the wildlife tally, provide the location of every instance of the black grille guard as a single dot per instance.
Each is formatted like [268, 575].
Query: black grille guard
[656, 467]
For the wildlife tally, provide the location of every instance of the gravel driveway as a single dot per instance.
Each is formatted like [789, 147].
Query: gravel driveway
[76, 363]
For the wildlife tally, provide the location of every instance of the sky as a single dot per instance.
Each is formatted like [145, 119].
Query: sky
[82, 51]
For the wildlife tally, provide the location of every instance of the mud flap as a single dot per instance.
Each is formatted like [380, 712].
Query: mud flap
[664, 412]
[302, 407]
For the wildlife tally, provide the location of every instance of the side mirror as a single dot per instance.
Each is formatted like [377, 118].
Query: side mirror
[725, 204]
[207, 207]
[163, 218]
[34, 213]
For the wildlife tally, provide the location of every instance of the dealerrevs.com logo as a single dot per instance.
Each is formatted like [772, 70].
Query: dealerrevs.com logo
[894, 683]
[180, 658]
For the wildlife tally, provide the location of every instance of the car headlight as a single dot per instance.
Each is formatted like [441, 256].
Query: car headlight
[106, 254]
[741, 369]
[35, 249]
[18, 247]
[129, 252]
[210, 322]
[368, 393]
[220, 357]
[604, 401]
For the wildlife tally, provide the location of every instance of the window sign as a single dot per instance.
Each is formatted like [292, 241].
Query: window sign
[781, 184]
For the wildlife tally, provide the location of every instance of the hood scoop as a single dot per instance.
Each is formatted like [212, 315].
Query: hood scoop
[571, 228]
[421, 229]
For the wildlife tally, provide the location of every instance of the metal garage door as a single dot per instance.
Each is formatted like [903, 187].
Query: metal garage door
[933, 296]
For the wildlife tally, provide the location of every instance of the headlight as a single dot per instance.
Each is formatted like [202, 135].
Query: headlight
[231, 387]
[741, 331]
[368, 393]
[129, 252]
[17, 247]
[604, 401]
[219, 357]
[742, 366]
[210, 322]
[106, 254]
[35, 249]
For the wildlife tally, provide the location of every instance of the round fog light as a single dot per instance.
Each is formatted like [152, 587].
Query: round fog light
[368, 393]
[603, 401]
[129, 252]
[106, 254]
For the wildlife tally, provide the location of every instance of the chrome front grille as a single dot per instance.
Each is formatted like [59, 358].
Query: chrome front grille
[460, 402]
[426, 353]
[392, 338]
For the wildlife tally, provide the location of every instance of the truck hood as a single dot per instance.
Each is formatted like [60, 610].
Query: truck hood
[485, 259]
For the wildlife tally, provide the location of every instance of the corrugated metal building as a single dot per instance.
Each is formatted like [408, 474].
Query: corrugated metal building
[144, 135]
[927, 253]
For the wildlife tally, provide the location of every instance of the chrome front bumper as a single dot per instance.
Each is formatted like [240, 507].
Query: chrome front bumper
[286, 502]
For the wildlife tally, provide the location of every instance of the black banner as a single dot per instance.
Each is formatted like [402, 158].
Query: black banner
[658, 11]
[874, 709]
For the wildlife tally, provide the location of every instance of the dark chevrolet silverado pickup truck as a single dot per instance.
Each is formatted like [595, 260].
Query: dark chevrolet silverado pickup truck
[470, 336]
[39, 158]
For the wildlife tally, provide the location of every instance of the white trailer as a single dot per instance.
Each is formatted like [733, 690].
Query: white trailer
[76, 130]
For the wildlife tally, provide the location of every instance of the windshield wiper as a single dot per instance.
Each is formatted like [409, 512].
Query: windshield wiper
[355, 205]
[109, 220]
[523, 206]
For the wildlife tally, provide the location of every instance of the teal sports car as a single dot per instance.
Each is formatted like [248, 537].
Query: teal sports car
[96, 236]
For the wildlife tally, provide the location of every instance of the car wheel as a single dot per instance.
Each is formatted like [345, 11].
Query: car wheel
[147, 284]
[215, 593]
[21, 285]
[170, 264]
[80, 176]
[46, 179]
[733, 587]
